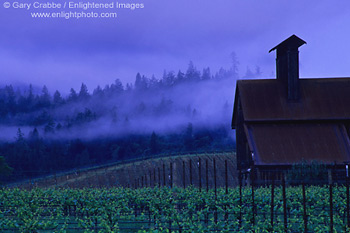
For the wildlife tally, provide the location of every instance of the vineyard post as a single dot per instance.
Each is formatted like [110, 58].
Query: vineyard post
[150, 179]
[191, 172]
[240, 198]
[149, 218]
[96, 179]
[214, 165]
[158, 177]
[169, 225]
[272, 198]
[347, 193]
[216, 210]
[226, 177]
[347, 201]
[183, 174]
[331, 206]
[304, 206]
[164, 182]
[284, 202]
[226, 184]
[206, 218]
[200, 174]
[105, 177]
[207, 176]
[253, 200]
[154, 178]
[171, 175]
[170, 222]
[55, 179]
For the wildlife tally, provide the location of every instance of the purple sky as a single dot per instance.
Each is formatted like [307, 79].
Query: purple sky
[167, 34]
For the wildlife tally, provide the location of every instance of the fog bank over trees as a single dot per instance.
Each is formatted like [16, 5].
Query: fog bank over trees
[149, 104]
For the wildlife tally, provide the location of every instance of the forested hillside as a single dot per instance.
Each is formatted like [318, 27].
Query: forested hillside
[181, 112]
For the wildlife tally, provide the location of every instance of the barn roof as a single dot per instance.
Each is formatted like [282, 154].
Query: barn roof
[320, 99]
[281, 132]
[285, 144]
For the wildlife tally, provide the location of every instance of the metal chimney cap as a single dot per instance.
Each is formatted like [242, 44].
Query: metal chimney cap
[292, 42]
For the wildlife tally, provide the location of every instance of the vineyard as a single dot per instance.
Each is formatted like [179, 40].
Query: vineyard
[187, 169]
[164, 209]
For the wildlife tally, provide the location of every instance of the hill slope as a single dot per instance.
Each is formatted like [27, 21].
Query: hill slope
[149, 173]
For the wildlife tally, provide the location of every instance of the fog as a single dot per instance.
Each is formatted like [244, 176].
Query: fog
[138, 109]
[206, 105]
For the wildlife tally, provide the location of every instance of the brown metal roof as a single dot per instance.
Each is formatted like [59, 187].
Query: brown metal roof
[320, 99]
[279, 144]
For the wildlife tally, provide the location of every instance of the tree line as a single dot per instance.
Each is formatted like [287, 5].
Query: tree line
[38, 152]
[14, 102]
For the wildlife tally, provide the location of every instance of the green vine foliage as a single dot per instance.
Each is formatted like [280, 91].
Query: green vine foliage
[162, 209]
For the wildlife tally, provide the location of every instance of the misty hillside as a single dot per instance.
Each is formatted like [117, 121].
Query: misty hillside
[116, 110]
[181, 112]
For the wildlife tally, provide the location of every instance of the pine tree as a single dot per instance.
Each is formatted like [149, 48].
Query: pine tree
[83, 93]
[57, 98]
[45, 98]
[206, 75]
[10, 99]
[5, 170]
[234, 67]
[72, 95]
[117, 87]
[30, 97]
[154, 143]
[192, 74]
[180, 77]
[138, 81]
[98, 92]
[34, 135]
[188, 137]
[20, 136]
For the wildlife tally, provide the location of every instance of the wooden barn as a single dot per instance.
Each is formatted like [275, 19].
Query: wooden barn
[288, 120]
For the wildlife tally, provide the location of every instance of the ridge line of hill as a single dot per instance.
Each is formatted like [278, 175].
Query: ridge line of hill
[84, 170]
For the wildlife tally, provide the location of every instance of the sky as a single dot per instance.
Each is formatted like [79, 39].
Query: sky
[167, 35]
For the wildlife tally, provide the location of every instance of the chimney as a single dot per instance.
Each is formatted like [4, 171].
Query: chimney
[287, 65]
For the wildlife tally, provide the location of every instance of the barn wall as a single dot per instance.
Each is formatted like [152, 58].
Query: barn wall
[243, 152]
